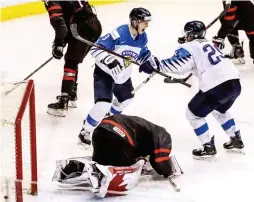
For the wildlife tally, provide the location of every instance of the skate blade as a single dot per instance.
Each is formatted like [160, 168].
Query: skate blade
[206, 157]
[83, 145]
[235, 150]
[72, 104]
[57, 112]
[239, 61]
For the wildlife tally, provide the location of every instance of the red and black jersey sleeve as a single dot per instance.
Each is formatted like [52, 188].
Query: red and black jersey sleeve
[160, 159]
[57, 20]
[229, 21]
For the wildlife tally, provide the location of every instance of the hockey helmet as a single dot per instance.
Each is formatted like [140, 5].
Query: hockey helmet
[139, 15]
[194, 30]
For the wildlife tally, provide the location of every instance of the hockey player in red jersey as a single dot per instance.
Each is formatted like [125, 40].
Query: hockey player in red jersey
[240, 16]
[120, 143]
[62, 14]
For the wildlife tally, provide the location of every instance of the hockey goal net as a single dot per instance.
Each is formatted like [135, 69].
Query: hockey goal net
[18, 161]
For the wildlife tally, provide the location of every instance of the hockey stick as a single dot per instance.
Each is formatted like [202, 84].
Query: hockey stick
[143, 83]
[75, 34]
[167, 80]
[227, 6]
[27, 77]
[36, 70]
[177, 189]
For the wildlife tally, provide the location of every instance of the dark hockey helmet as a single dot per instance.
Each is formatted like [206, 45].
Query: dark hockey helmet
[138, 15]
[194, 30]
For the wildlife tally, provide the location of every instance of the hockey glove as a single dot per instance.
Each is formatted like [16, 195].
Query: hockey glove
[150, 65]
[181, 40]
[113, 64]
[144, 58]
[219, 42]
[57, 50]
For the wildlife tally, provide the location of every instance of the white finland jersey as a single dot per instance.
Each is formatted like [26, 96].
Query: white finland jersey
[120, 41]
[204, 60]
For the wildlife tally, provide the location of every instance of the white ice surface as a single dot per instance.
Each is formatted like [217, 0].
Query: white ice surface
[26, 43]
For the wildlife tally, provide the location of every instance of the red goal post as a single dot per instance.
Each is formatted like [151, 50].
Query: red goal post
[18, 154]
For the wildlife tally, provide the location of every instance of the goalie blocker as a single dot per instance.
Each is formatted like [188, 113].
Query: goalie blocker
[131, 138]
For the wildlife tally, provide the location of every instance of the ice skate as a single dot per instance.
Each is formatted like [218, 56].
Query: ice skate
[59, 108]
[73, 97]
[207, 152]
[84, 138]
[237, 54]
[235, 144]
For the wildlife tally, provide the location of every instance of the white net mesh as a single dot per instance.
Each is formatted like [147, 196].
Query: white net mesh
[11, 102]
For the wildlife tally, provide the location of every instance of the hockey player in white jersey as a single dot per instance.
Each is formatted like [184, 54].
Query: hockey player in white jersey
[112, 75]
[219, 86]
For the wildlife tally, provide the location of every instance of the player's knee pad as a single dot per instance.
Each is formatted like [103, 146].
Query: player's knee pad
[195, 121]
[118, 107]
[216, 114]
[222, 118]
[96, 114]
[190, 116]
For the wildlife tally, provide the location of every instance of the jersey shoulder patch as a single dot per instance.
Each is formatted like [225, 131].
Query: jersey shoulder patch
[115, 34]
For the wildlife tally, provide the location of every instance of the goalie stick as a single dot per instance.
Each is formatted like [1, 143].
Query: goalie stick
[75, 34]
[177, 189]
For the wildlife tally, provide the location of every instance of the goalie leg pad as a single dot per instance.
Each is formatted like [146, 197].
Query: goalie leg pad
[116, 179]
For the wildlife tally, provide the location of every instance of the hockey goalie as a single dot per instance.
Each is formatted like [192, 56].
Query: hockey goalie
[122, 144]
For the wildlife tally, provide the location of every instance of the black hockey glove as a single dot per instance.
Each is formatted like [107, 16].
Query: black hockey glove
[150, 65]
[219, 42]
[181, 40]
[113, 64]
[57, 50]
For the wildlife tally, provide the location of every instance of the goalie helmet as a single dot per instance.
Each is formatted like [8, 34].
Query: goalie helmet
[139, 15]
[194, 30]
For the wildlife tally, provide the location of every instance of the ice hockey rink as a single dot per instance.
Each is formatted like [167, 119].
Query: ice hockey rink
[26, 44]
